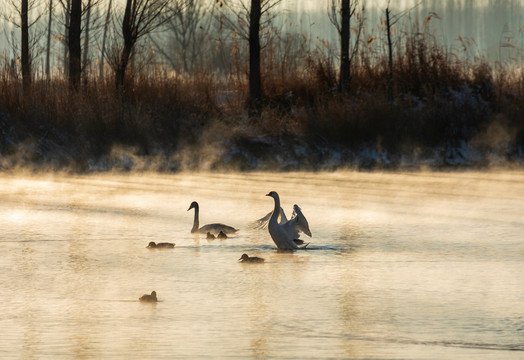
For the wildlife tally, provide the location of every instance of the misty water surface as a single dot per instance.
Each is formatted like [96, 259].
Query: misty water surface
[418, 265]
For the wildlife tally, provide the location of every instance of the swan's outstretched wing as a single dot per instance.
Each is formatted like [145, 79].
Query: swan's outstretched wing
[262, 222]
[296, 224]
[300, 220]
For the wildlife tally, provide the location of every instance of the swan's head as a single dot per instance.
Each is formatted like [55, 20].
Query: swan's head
[153, 295]
[273, 194]
[151, 244]
[194, 205]
[243, 257]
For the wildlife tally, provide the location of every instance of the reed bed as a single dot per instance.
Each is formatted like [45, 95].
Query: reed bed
[436, 102]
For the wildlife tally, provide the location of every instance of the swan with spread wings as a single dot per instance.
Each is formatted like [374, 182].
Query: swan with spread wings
[286, 232]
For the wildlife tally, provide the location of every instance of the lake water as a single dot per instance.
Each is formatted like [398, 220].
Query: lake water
[400, 266]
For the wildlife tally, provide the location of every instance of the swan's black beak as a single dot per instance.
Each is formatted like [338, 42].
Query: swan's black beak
[268, 194]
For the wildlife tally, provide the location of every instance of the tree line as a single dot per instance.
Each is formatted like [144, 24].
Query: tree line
[119, 29]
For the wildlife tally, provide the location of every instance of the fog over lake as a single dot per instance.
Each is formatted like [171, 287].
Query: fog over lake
[400, 265]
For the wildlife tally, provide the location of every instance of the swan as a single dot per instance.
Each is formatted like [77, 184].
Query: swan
[216, 228]
[210, 236]
[285, 234]
[152, 245]
[149, 298]
[250, 259]
[222, 235]
[297, 216]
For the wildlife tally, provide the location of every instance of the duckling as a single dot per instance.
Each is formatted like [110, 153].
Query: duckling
[152, 245]
[149, 298]
[250, 259]
[221, 235]
[210, 236]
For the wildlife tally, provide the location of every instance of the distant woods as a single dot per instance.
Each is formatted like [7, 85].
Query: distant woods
[237, 40]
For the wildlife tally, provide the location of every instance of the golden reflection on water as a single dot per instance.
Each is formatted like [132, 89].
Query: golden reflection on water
[400, 265]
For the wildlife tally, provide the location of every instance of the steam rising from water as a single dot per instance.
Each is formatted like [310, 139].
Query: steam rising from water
[402, 265]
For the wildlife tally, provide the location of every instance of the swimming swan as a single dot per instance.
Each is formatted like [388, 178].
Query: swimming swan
[215, 228]
[286, 232]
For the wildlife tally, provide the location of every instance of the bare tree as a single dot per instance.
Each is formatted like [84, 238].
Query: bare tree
[74, 12]
[141, 17]
[26, 67]
[391, 20]
[104, 37]
[48, 43]
[187, 27]
[25, 23]
[85, 54]
[255, 80]
[252, 18]
[75, 49]
[66, 4]
[347, 10]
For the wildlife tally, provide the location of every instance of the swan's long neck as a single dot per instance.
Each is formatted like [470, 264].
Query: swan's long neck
[195, 221]
[276, 210]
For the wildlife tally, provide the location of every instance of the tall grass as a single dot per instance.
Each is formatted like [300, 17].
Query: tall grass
[439, 101]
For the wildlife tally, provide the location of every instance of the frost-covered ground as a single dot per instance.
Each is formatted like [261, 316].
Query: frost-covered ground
[262, 153]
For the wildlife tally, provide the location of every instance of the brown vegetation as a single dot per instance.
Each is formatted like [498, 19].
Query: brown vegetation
[440, 104]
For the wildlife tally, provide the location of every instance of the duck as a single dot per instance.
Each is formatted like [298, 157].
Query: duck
[210, 227]
[250, 259]
[153, 245]
[210, 236]
[284, 233]
[222, 235]
[149, 298]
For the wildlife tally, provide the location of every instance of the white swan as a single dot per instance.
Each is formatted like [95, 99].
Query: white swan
[214, 228]
[285, 234]
[297, 216]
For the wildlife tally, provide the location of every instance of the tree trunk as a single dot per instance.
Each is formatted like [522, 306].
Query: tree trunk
[255, 82]
[85, 54]
[66, 37]
[48, 46]
[390, 54]
[26, 66]
[75, 50]
[103, 49]
[129, 41]
[345, 72]
[122, 66]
